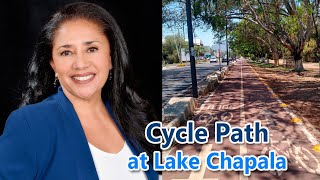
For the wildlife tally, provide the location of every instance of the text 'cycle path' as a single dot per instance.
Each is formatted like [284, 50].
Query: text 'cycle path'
[240, 99]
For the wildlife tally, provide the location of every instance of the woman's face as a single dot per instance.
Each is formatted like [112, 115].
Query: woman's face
[81, 58]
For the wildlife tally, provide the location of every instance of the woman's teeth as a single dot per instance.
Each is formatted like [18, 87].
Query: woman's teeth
[83, 78]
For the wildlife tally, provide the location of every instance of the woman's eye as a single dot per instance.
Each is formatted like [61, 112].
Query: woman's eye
[65, 53]
[92, 49]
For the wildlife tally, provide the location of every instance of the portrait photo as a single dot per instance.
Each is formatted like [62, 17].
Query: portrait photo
[81, 81]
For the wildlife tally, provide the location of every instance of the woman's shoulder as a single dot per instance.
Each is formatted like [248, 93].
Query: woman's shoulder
[39, 115]
[31, 134]
[45, 107]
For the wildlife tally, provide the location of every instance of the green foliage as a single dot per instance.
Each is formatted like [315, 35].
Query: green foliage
[291, 25]
[243, 40]
[199, 50]
[214, 13]
[171, 48]
[309, 46]
[309, 50]
[288, 21]
[173, 15]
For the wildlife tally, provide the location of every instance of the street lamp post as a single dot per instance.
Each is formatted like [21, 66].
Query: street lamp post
[226, 33]
[191, 50]
[219, 53]
[227, 41]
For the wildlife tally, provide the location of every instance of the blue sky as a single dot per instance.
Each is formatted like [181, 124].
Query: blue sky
[205, 34]
[207, 37]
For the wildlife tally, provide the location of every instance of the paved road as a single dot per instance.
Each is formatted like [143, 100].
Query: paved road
[177, 79]
[243, 98]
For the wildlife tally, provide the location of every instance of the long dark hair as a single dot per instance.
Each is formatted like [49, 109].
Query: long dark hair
[129, 109]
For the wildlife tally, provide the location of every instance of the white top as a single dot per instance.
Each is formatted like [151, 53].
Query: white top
[114, 166]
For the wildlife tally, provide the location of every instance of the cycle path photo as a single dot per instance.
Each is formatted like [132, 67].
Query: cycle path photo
[242, 98]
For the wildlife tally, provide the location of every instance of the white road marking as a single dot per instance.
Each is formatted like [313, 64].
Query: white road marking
[308, 134]
[205, 150]
[243, 147]
[205, 102]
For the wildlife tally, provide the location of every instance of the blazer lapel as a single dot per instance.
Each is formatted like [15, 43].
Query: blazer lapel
[151, 174]
[134, 151]
[78, 141]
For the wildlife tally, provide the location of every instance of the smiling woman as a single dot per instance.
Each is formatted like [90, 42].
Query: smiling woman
[80, 116]
[81, 59]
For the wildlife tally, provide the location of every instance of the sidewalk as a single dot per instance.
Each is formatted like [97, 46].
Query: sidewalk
[242, 98]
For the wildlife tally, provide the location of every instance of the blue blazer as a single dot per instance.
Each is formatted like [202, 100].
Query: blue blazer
[46, 141]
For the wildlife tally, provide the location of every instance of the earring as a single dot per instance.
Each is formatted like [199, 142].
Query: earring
[110, 75]
[55, 82]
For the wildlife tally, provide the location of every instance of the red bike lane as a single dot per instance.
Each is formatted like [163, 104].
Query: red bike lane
[221, 105]
[243, 98]
[286, 137]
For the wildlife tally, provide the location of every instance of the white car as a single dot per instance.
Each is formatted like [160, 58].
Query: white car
[213, 59]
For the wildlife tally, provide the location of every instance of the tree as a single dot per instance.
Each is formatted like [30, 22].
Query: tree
[215, 13]
[171, 48]
[289, 21]
[248, 42]
[199, 50]
[174, 19]
[246, 32]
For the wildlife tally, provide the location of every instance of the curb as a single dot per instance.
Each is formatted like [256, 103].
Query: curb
[176, 111]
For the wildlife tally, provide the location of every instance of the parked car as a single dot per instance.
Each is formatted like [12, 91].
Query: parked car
[213, 59]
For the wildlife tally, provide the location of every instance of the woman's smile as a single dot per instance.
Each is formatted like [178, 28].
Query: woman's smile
[83, 78]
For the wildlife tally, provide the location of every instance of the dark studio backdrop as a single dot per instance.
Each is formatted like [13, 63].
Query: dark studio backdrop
[21, 22]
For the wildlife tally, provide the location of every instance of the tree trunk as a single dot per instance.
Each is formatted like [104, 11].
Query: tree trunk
[275, 57]
[298, 66]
